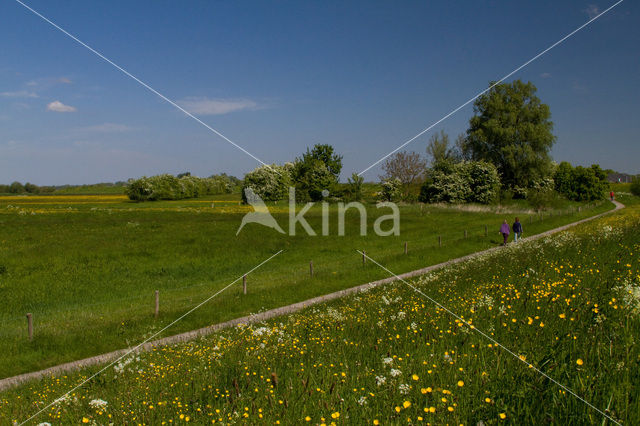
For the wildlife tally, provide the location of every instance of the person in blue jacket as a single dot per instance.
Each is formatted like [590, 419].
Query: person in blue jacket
[517, 230]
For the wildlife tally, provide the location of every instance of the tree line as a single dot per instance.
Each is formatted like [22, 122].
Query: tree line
[505, 153]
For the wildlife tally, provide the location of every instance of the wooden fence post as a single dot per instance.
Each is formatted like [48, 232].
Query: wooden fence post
[439, 240]
[406, 248]
[157, 303]
[465, 233]
[30, 326]
[486, 231]
[364, 257]
[244, 284]
[311, 268]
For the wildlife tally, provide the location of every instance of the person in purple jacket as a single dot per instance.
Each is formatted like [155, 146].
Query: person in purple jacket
[504, 230]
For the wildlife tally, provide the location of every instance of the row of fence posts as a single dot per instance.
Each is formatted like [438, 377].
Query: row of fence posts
[244, 277]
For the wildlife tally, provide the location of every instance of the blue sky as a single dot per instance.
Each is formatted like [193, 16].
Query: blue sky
[276, 77]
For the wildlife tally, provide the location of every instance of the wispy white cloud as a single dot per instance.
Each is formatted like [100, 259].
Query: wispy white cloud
[206, 106]
[592, 11]
[106, 128]
[545, 75]
[58, 106]
[579, 88]
[47, 82]
[19, 94]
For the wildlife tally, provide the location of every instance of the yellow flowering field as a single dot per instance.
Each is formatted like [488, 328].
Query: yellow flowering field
[63, 199]
[567, 305]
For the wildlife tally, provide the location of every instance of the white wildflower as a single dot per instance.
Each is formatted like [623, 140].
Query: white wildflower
[404, 388]
[395, 372]
[98, 403]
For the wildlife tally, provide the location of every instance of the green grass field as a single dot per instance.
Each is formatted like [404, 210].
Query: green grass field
[87, 267]
[569, 305]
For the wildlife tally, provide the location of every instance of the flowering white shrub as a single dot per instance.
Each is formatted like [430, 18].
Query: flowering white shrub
[465, 182]
[271, 183]
[390, 189]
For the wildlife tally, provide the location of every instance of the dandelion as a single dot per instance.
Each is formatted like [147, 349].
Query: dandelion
[406, 404]
[335, 415]
[426, 390]
[85, 420]
[579, 361]
[307, 419]
[415, 377]
[460, 383]
[503, 416]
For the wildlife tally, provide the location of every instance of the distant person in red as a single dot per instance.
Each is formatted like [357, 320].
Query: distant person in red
[504, 230]
[611, 194]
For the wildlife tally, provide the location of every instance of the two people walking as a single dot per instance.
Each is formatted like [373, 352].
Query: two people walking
[505, 230]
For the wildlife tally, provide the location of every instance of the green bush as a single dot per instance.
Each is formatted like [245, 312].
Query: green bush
[169, 187]
[311, 178]
[355, 187]
[580, 183]
[635, 187]
[465, 182]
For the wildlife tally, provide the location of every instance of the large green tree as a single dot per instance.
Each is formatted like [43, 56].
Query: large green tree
[511, 128]
[318, 170]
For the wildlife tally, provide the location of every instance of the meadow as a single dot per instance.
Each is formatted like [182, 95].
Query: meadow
[568, 305]
[87, 266]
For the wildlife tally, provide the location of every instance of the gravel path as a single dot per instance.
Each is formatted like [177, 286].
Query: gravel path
[111, 356]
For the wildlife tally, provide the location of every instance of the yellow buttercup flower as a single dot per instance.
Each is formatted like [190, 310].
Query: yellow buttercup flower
[579, 361]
